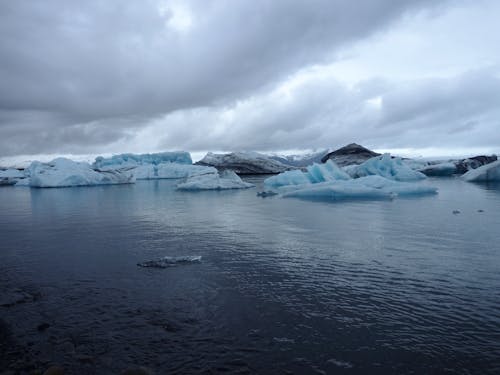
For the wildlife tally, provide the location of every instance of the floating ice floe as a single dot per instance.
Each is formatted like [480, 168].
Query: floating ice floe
[214, 181]
[386, 166]
[369, 187]
[488, 172]
[62, 172]
[170, 261]
[328, 181]
[244, 163]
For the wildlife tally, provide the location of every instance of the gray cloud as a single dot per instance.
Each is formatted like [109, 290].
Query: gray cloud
[64, 65]
[459, 110]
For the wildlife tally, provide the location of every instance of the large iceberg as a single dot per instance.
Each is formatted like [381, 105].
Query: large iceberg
[386, 166]
[488, 172]
[315, 173]
[328, 181]
[244, 163]
[169, 170]
[132, 160]
[370, 187]
[153, 166]
[62, 172]
[214, 181]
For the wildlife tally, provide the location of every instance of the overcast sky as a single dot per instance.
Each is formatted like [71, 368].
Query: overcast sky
[89, 77]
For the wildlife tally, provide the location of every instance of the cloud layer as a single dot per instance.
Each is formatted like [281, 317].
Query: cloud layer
[93, 76]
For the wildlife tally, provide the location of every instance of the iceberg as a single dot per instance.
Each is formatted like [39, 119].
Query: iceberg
[388, 167]
[128, 160]
[440, 169]
[62, 172]
[10, 176]
[369, 187]
[315, 173]
[244, 163]
[170, 261]
[487, 172]
[153, 166]
[214, 181]
[169, 170]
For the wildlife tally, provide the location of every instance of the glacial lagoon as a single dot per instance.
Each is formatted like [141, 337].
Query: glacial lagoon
[410, 285]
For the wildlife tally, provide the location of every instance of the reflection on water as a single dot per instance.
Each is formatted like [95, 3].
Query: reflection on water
[284, 285]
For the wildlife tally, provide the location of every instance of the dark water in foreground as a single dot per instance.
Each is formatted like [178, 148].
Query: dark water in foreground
[284, 285]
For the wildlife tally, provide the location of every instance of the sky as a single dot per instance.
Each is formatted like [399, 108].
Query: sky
[416, 77]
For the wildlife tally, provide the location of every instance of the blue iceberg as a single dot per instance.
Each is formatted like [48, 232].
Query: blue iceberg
[487, 172]
[214, 181]
[388, 167]
[62, 172]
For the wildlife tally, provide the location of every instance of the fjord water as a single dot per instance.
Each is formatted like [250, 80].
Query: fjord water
[284, 285]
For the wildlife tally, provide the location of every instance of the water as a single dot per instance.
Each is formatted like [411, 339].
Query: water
[284, 285]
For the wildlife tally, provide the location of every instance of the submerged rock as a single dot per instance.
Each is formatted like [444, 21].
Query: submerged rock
[350, 154]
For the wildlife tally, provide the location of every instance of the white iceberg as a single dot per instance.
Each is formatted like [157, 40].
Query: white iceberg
[244, 163]
[315, 173]
[62, 172]
[169, 170]
[488, 172]
[131, 160]
[388, 167]
[370, 187]
[214, 181]
[153, 166]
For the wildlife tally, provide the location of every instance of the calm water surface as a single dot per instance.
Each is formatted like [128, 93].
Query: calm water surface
[284, 286]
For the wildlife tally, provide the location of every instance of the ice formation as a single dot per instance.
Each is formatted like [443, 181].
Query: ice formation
[315, 173]
[132, 160]
[388, 167]
[10, 176]
[169, 170]
[244, 163]
[214, 181]
[328, 181]
[300, 160]
[153, 166]
[170, 261]
[369, 187]
[487, 172]
[62, 172]
[439, 169]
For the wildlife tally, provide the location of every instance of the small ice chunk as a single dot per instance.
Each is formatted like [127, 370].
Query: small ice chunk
[170, 261]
